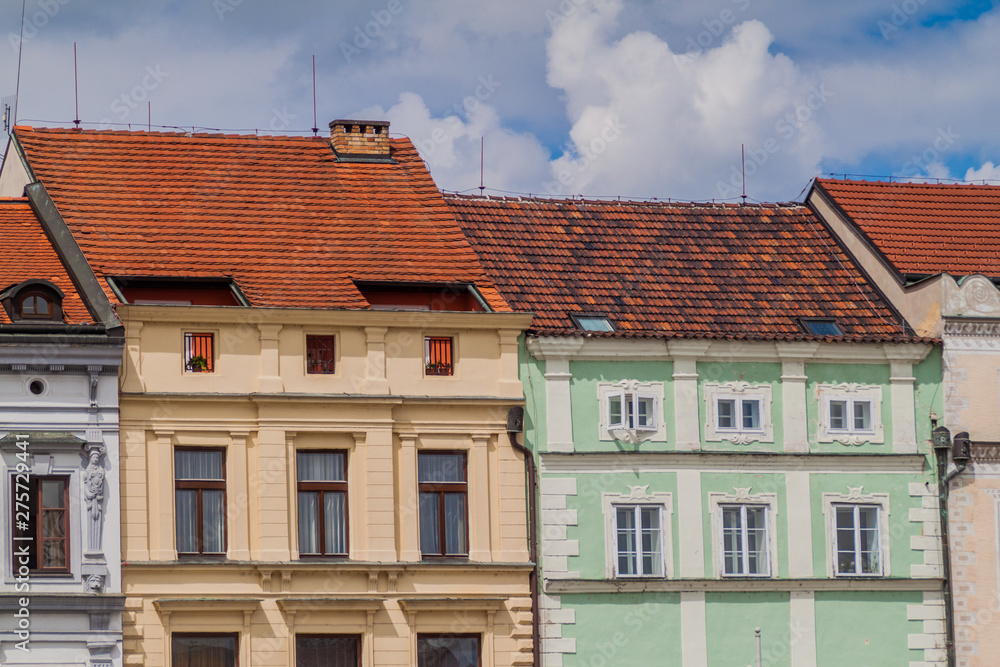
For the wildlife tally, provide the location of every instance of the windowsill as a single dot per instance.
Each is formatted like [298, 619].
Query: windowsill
[208, 558]
[444, 559]
[324, 557]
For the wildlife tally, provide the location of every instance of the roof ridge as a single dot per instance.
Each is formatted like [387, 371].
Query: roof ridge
[683, 203]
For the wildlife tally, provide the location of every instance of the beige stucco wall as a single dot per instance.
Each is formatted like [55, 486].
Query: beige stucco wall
[974, 510]
[261, 406]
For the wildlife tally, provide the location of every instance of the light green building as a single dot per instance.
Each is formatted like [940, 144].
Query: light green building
[732, 433]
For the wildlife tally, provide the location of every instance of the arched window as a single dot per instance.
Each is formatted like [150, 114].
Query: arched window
[35, 305]
[33, 301]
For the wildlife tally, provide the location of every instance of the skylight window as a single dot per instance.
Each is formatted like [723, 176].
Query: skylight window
[593, 322]
[823, 327]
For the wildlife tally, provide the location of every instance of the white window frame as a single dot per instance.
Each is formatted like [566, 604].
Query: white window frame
[637, 496]
[856, 497]
[631, 391]
[851, 393]
[738, 391]
[742, 496]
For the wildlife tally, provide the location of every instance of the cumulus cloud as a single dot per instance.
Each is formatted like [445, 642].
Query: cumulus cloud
[450, 144]
[654, 121]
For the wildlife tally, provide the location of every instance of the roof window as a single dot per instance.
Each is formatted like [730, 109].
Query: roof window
[170, 291]
[821, 327]
[33, 301]
[593, 322]
[422, 296]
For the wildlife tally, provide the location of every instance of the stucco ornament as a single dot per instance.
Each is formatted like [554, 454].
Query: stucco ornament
[631, 436]
[93, 495]
[735, 387]
[851, 440]
[740, 438]
[976, 295]
[94, 584]
[855, 492]
[742, 493]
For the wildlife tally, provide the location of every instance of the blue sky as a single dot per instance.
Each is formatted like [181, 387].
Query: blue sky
[636, 98]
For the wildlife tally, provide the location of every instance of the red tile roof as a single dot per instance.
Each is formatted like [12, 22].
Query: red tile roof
[923, 228]
[28, 255]
[668, 269]
[281, 215]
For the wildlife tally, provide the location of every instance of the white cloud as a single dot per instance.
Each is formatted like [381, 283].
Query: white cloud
[450, 145]
[649, 120]
[988, 172]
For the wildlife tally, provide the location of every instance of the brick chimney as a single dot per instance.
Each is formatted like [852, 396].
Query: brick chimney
[360, 140]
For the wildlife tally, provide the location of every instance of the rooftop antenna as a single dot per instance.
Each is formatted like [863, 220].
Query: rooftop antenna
[20, 47]
[149, 116]
[315, 127]
[76, 90]
[743, 162]
[482, 148]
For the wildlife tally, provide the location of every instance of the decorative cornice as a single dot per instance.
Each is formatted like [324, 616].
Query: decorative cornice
[963, 327]
[554, 348]
[564, 586]
[747, 462]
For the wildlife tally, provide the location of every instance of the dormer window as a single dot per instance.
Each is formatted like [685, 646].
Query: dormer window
[593, 322]
[33, 301]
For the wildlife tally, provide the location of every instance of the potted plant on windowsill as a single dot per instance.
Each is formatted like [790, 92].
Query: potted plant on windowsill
[197, 364]
[437, 368]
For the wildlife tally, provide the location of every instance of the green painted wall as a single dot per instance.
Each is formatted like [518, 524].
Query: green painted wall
[755, 374]
[730, 620]
[586, 409]
[625, 630]
[590, 531]
[865, 629]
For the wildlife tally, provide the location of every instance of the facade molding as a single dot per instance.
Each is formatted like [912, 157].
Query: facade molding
[671, 461]
[736, 585]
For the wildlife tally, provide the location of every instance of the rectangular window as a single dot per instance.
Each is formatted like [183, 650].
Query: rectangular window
[319, 354]
[738, 414]
[322, 489]
[857, 539]
[447, 650]
[327, 651]
[41, 522]
[851, 415]
[639, 536]
[744, 540]
[199, 352]
[438, 356]
[200, 498]
[443, 504]
[203, 650]
[632, 411]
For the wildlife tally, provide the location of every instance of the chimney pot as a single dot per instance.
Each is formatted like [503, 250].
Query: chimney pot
[360, 140]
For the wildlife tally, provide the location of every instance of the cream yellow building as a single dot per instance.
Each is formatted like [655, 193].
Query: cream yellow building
[315, 465]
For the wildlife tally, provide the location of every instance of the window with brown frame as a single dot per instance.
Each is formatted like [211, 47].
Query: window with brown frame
[322, 500]
[438, 355]
[319, 354]
[200, 500]
[37, 305]
[443, 491]
[199, 352]
[41, 523]
[327, 651]
[448, 650]
[191, 649]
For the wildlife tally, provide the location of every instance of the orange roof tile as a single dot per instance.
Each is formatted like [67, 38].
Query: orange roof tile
[28, 255]
[669, 269]
[923, 228]
[281, 215]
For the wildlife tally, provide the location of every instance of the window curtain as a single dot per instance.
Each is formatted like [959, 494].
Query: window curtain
[441, 651]
[430, 524]
[331, 651]
[308, 522]
[213, 517]
[441, 468]
[187, 516]
[335, 529]
[207, 651]
[320, 466]
[454, 528]
[195, 464]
